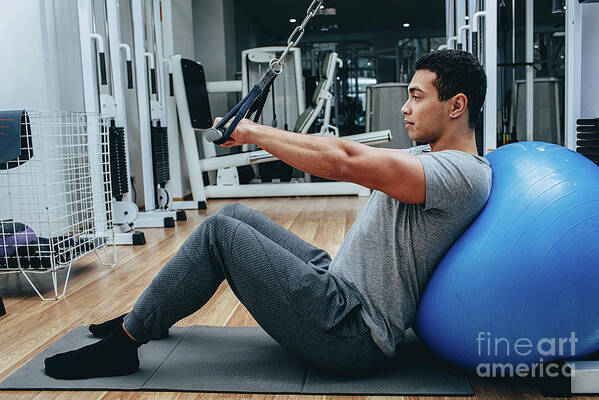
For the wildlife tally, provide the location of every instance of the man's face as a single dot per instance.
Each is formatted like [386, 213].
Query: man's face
[425, 116]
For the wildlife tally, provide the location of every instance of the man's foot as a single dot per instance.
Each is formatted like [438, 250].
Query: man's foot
[102, 330]
[114, 355]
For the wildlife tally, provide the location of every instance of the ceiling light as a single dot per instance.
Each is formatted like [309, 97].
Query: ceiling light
[327, 11]
[293, 20]
[406, 25]
[466, 18]
[321, 7]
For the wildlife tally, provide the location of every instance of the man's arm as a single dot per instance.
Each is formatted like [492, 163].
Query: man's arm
[391, 171]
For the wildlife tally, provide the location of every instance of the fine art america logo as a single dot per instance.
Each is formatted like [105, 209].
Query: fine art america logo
[490, 347]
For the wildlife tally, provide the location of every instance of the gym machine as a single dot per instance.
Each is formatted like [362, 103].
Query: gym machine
[147, 38]
[472, 26]
[191, 88]
[109, 106]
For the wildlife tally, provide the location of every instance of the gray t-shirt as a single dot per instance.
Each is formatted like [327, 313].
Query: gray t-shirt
[392, 248]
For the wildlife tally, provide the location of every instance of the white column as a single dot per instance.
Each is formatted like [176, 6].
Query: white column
[530, 116]
[90, 78]
[162, 86]
[92, 105]
[449, 18]
[490, 40]
[143, 106]
[573, 70]
[177, 31]
[117, 60]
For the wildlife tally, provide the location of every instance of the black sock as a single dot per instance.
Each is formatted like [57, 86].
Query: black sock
[102, 330]
[112, 356]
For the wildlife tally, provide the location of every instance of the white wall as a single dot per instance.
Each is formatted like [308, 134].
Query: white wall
[214, 39]
[41, 67]
[40, 71]
[183, 40]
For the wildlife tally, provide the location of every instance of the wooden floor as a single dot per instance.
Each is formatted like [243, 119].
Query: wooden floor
[96, 293]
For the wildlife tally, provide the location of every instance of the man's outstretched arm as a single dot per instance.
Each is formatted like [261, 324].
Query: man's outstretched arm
[391, 171]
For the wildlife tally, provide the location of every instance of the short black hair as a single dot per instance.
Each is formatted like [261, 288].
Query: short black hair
[457, 72]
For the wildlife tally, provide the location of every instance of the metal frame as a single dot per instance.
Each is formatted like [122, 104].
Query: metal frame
[489, 60]
[104, 103]
[370, 109]
[151, 217]
[557, 116]
[584, 379]
[490, 63]
[126, 211]
[530, 70]
[582, 61]
[295, 52]
[573, 70]
[196, 165]
[325, 100]
[90, 87]
[327, 96]
[266, 53]
[175, 185]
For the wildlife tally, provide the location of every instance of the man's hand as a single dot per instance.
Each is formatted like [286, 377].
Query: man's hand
[241, 134]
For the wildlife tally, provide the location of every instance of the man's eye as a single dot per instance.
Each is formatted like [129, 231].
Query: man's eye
[416, 97]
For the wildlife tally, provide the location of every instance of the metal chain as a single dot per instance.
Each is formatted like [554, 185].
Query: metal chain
[277, 63]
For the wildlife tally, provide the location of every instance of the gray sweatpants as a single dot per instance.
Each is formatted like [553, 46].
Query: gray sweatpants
[282, 280]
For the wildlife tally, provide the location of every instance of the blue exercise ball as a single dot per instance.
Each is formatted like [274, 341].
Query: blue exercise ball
[521, 285]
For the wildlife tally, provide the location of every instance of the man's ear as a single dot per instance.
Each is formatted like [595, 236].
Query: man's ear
[459, 105]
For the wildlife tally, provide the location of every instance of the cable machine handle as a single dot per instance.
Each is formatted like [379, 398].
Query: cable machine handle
[129, 75]
[102, 68]
[125, 47]
[101, 57]
[214, 134]
[153, 79]
[252, 103]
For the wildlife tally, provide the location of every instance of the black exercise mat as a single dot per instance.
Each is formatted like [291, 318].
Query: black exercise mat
[31, 375]
[245, 359]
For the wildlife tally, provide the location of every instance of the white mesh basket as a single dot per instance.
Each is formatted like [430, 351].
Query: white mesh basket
[55, 198]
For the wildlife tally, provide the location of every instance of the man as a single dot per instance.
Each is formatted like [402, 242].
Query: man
[344, 315]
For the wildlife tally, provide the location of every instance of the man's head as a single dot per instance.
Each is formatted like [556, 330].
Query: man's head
[449, 87]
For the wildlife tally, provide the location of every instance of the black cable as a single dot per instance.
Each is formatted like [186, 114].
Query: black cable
[134, 191]
[274, 111]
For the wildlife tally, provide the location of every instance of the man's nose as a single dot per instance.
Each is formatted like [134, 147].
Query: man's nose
[405, 109]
